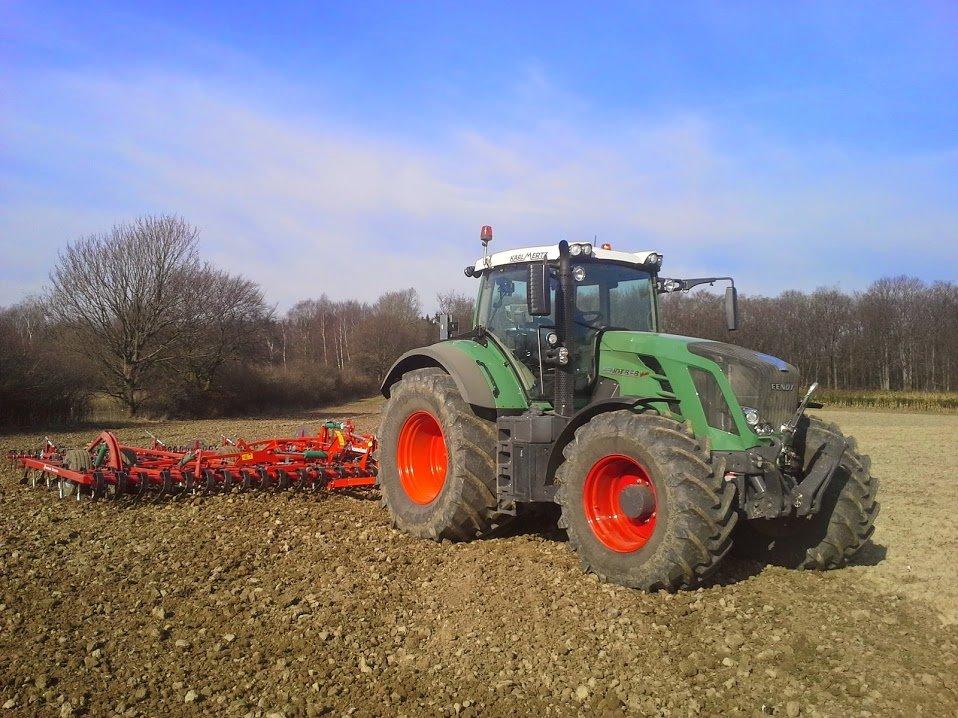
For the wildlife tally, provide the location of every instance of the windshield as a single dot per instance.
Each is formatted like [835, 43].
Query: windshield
[608, 295]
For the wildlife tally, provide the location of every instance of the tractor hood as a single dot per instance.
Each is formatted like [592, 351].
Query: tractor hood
[758, 381]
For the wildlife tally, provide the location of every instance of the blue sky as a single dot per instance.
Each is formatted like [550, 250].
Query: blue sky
[349, 148]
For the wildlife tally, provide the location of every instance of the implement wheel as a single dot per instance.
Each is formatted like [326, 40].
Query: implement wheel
[844, 522]
[437, 468]
[641, 503]
[75, 460]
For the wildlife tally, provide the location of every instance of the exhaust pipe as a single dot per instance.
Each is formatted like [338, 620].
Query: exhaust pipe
[565, 303]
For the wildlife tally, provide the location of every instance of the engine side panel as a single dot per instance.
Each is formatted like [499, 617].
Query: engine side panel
[649, 364]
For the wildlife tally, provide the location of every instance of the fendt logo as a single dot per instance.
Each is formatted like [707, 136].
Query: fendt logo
[782, 387]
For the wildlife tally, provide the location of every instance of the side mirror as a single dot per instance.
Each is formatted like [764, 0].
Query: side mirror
[448, 327]
[731, 308]
[538, 298]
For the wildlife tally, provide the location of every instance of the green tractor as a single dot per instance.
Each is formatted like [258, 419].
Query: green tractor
[661, 451]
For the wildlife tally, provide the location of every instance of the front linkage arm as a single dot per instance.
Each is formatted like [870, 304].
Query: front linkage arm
[806, 497]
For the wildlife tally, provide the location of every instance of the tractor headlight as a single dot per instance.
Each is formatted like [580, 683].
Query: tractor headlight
[586, 249]
[563, 356]
[578, 273]
[751, 416]
[552, 338]
[575, 250]
[652, 258]
[764, 429]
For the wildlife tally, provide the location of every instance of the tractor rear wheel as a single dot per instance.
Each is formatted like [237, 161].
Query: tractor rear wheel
[842, 525]
[437, 469]
[641, 502]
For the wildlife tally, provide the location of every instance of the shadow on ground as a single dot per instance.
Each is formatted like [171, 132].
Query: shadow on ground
[543, 522]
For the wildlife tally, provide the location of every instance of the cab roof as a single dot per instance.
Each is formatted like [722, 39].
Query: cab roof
[551, 251]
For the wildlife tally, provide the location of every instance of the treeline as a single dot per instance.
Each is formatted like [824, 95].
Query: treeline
[136, 315]
[39, 382]
[900, 334]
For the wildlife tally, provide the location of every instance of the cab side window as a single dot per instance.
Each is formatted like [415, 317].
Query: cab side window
[503, 311]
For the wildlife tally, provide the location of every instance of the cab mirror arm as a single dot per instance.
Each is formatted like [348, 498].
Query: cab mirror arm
[666, 286]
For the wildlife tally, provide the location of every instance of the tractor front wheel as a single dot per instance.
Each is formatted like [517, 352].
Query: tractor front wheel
[641, 502]
[844, 522]
[437, 470]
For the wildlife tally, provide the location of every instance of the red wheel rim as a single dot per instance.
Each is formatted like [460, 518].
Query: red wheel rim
[421, 457]
[602, 496]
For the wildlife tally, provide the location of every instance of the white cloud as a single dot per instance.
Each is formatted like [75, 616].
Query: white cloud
[306, 206]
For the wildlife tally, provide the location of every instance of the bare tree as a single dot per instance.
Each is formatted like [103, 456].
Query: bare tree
[126, 294]
[226, 318]
[393, 326]
[461, 307]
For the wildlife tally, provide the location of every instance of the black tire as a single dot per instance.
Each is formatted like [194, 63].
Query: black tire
[465, 506]
[843, 524]
[695, 509]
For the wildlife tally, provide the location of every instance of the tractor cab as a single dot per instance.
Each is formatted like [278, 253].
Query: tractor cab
[610, 290]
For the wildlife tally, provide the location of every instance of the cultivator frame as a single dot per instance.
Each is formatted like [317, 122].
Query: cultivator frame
[334, 458]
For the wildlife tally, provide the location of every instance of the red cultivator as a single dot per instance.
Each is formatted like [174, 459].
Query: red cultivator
[334, 458]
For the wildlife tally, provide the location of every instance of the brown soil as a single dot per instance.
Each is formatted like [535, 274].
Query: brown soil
[272, 604]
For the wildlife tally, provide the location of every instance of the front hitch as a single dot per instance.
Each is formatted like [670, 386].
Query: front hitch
[807, 496]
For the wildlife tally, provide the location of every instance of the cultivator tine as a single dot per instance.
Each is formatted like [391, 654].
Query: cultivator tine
[97, 487]
[121, 485]
[264, 479]
[142, 484]
[209, 481]
[165, 487]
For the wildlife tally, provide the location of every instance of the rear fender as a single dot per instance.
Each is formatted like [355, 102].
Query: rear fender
[475, 383]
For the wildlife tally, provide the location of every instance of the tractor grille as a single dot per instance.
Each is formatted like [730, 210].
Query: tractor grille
[759, 381]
